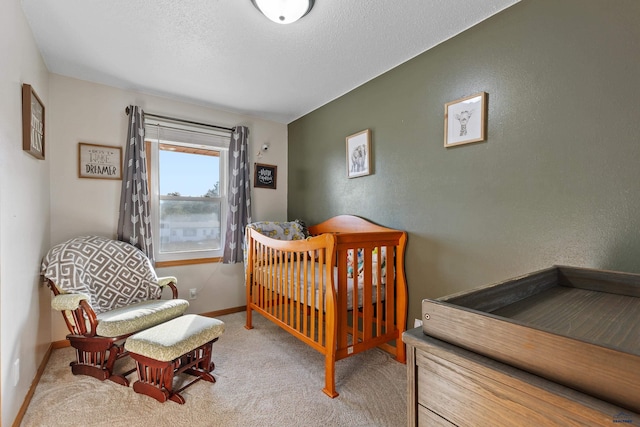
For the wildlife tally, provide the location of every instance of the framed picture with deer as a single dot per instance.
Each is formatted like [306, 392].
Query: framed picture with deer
[465, 120]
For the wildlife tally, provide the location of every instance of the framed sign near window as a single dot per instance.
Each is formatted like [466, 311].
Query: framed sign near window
[265, 176]
[99, 161]
[32, 122]
[465, 120]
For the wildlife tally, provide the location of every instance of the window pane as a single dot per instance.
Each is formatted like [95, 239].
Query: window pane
[189, 174]
[189, 225]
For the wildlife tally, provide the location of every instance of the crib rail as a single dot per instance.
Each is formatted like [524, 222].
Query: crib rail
[292, 283]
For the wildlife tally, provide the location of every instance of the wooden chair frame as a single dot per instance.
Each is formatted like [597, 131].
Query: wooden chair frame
[95, 355]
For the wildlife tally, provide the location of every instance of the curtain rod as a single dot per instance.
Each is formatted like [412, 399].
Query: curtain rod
[157, 116]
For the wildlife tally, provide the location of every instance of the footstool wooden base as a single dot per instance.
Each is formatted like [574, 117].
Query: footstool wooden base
[181, 345]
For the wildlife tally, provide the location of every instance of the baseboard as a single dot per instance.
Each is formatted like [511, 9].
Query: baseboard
[225, 311]
[60, 344]
[32, 389]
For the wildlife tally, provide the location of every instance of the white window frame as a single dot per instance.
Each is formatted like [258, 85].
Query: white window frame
[217, 144]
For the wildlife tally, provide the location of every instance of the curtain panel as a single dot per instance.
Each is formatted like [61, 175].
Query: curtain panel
[239, 196]
[134, 223]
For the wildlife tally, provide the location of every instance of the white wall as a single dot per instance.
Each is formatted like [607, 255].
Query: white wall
[87, 112]
[24, 214]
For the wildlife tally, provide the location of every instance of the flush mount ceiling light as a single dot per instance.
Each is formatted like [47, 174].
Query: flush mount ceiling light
[283, 11]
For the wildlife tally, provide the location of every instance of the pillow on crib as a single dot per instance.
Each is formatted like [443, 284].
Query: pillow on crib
[302, 227]
[374, 263]
[281, 230]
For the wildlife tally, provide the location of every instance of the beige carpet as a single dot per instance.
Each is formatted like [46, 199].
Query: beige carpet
[265, 377]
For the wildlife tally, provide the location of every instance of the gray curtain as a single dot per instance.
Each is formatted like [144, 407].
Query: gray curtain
[134, 224]
[239, 196]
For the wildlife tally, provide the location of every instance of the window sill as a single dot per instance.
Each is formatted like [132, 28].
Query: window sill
[160, 264]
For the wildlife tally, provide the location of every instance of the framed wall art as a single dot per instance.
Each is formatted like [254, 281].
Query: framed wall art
[32, 122]
[265, 176]
[99, 161]
[359, 154]
[465, 120]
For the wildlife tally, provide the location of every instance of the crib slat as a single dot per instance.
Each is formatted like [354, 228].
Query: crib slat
[269, 284]
[390, 297]
[284, 297]
[282, 284]
[342, 302]
[354, 302]
[298, 305]
[367, 301]
[305, 306]
[379, 314]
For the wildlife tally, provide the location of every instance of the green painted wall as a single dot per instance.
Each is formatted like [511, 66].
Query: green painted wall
[557, 181]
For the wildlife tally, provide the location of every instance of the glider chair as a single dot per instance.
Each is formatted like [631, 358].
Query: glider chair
[106, 290]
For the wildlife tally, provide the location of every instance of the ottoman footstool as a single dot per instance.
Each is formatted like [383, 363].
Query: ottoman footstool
[181, 345]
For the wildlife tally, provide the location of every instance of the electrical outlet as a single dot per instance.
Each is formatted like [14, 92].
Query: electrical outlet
[16, 372]
[193, 293]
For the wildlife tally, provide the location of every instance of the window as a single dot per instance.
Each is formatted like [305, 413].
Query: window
[187, 186]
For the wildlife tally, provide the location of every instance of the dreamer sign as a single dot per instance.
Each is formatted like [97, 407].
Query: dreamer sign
[99, 161]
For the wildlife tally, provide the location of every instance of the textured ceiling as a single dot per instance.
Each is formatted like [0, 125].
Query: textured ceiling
[225, 54]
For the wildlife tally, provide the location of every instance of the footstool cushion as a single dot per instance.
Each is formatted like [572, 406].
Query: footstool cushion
[172, 339]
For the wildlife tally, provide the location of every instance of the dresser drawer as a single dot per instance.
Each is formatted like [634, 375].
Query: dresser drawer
[426, 418]
[467, 389]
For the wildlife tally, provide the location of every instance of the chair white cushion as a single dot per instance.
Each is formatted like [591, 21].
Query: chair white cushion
[139, 316]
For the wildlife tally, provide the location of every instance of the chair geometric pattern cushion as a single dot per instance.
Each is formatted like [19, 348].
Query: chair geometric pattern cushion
[113, 273]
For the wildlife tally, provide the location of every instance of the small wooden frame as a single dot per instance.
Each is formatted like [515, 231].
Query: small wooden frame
[33, 120]
[465, 120]
[265, 176]
[99, 161]
[359, 154]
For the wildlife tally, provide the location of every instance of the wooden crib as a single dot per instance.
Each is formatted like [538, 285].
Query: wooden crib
[308, 287]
